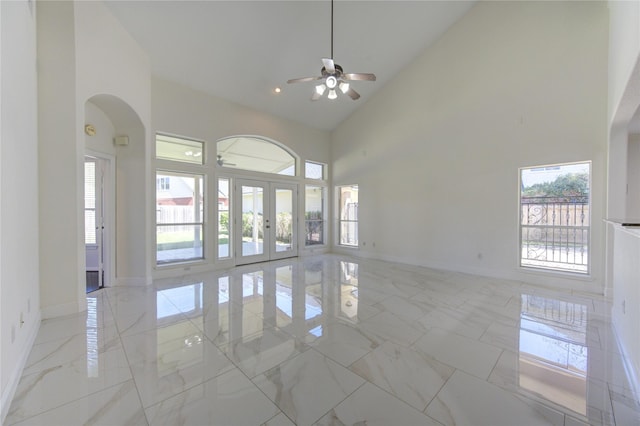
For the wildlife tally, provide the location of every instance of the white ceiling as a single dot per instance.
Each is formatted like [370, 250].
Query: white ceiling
[242, 50]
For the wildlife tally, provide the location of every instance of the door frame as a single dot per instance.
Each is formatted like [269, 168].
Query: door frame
[268, 226]
[109, 212]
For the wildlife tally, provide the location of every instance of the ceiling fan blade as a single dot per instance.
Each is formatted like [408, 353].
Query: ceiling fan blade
[359, 76]
[303, 79]
[315, 96]
[329, 66]
[352, 94]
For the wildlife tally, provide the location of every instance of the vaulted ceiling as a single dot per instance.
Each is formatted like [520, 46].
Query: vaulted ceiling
[242, 50]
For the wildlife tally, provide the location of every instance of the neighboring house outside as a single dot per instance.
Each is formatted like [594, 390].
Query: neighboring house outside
[223, 200]
[173, 191]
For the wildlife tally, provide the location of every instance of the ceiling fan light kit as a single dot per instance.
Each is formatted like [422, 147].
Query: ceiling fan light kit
[332, 76]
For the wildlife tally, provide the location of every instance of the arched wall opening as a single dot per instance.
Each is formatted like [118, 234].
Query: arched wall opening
[118, 137]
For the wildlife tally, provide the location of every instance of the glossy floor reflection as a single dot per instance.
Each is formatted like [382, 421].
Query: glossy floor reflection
[328, 340]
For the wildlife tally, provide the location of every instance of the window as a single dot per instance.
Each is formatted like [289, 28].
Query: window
[348, 215]
[313, 170]
[162, 183]
[179, 200]
[555, 217]
[90, 202]
[255, 154]
[179, 218]
[179, 149]
[314, 215]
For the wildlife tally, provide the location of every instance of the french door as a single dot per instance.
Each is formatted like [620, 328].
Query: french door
[265, 221]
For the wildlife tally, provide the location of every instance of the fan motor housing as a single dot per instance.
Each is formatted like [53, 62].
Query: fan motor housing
[338, 72]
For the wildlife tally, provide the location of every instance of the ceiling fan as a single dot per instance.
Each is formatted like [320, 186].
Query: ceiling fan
[333, 77]
[222, 162]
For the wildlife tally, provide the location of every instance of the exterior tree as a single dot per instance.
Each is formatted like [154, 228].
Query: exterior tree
[567, 185]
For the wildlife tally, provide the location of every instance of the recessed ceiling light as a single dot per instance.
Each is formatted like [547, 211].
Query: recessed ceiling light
[277, 90]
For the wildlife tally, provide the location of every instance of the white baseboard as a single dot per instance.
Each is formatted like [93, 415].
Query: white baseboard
[538, 278]
[16, 373]
[632, 372]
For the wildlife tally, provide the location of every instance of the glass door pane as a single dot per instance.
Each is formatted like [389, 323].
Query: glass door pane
[224, 223]
[283, 214]
[284, 219]
[252, 220]
[251, 223]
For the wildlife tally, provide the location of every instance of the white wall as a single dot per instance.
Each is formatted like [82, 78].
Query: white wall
[102, 141]
[85, 55]
[182, 111]
[19, 274]
[436, 152]
[133, 201]
[2, 332]
[623, 253]
[624, 42]
[60, 172]
[627, 297]
[624, 83]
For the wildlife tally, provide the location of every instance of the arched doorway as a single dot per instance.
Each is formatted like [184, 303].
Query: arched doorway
[115, 218]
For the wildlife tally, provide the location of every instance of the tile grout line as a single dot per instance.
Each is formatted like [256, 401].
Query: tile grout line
[133, 378]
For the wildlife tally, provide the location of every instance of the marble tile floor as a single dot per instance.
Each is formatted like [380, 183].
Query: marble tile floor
[328, 340]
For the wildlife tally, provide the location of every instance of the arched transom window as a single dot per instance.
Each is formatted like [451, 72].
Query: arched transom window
[255, 154]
